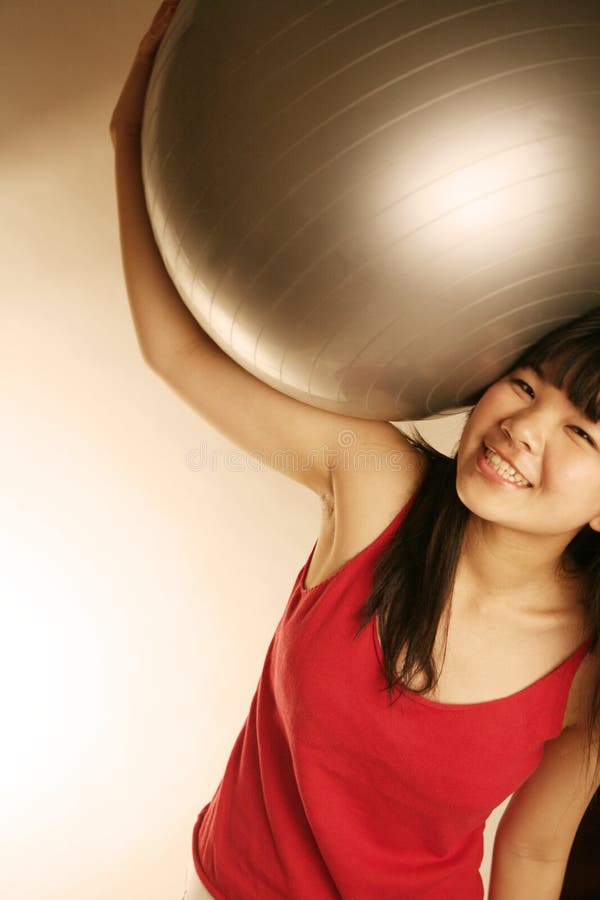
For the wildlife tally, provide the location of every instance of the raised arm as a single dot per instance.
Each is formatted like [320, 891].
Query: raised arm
[299, 440]
[162, 321]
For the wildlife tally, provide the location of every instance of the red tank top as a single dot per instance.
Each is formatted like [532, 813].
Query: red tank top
[332, 792]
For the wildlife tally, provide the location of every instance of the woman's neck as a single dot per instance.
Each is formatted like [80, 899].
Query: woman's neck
[502, 567]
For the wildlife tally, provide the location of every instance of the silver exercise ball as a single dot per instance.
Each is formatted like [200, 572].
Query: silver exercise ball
[375, 206]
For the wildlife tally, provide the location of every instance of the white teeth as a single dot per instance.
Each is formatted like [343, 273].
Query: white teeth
[503, 468]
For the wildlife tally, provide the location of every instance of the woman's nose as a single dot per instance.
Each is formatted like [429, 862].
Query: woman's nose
[523, 432]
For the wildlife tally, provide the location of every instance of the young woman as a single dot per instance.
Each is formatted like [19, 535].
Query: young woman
[438, 651]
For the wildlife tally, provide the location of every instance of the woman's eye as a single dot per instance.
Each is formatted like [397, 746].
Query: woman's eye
[531, 393]
[583, 434]
[524, 385]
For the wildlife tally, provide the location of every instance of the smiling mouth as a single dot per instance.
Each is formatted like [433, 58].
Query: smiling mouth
[507, 473]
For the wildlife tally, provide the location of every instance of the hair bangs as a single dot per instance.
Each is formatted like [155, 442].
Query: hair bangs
[577, 371]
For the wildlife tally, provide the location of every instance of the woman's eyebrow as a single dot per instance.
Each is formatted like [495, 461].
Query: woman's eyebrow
[536, 368]
[539, 372]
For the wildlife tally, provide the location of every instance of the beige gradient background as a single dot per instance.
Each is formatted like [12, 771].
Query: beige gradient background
[138, 594]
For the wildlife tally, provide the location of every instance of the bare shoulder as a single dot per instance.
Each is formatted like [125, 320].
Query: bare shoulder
[374, 475]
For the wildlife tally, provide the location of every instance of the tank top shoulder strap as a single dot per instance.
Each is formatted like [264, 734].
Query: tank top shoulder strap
[360, 558]
[383, 538]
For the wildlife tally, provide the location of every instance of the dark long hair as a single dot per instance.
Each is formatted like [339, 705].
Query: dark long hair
[415, 575]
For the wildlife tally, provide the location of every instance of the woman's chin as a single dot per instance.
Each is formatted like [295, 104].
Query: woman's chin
[479, 502]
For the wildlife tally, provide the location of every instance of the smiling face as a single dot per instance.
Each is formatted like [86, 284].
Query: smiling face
[534, 425]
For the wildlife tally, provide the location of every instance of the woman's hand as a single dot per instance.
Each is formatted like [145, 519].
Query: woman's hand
[127, 116]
